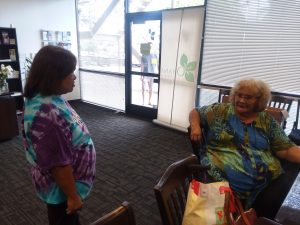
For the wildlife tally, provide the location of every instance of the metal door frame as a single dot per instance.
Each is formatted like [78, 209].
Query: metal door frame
[149, 113]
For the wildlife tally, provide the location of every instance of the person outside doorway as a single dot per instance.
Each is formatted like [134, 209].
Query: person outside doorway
[148, 65]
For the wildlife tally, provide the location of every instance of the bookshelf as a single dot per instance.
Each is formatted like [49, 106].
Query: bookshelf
[9, 56]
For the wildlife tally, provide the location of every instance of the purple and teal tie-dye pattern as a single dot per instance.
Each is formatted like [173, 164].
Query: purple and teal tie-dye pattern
[54, 135]
[242, 154]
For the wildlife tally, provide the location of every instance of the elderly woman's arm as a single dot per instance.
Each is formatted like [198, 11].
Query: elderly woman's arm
[292, 154]
[195, 125]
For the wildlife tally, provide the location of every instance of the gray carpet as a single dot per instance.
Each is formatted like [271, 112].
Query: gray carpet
[132, 154]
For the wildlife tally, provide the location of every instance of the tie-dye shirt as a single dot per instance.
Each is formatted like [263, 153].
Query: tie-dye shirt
[242, 154]
[54, 135]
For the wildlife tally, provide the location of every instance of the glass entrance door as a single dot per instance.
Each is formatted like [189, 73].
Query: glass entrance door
[142, 75]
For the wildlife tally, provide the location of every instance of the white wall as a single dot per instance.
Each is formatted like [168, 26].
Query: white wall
[31, 16]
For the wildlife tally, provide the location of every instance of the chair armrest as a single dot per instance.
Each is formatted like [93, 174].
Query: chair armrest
[265, 221]
[285, 114]
[198, 172]
[199, 147]
[276, 113]
[198, 167]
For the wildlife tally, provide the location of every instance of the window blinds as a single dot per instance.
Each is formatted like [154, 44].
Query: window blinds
[254, 38]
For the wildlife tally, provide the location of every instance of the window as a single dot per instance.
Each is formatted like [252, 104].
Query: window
[101, 35]
[153, 5]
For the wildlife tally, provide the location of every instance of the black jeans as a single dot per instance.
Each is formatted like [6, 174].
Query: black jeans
[271, 198]
[57, 215]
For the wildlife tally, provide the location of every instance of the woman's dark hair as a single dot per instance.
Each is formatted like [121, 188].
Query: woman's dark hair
[49, 67]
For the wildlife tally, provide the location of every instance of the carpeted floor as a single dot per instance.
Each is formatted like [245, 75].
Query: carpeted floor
[132, 154]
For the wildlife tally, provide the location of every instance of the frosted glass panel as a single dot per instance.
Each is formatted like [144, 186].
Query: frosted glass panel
[105, 90]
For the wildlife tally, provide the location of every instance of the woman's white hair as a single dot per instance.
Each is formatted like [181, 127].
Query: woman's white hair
[257, 88]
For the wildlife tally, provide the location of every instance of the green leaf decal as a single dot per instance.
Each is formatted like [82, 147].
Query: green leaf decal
[191, 66]
[180, 71]
[189, 76]
[183, 60]
[186, 68]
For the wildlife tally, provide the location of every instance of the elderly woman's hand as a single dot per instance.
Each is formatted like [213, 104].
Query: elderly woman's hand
[194, 119]
[196, 134]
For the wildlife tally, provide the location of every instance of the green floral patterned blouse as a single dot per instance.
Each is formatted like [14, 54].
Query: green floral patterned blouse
[242, 154]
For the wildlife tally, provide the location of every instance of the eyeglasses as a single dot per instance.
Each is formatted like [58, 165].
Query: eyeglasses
[246, 97]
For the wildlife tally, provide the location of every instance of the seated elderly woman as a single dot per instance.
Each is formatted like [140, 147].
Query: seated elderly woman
[244, 145]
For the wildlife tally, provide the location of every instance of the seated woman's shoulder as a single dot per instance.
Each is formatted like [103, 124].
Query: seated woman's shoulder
[217, 108]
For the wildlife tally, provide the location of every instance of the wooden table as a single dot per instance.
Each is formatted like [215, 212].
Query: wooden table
[289, 212]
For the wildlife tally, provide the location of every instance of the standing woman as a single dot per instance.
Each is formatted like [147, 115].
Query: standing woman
[58, 144]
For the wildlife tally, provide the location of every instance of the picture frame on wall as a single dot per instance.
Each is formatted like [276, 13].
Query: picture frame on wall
[5, 38]
[12, 41]
[66, 36]
[45, 43]
[45, 35]
[51, 36]
[59, 36]
[56, 38]
[12, 54]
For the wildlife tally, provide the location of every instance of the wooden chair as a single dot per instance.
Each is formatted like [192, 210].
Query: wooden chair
[172, 188]
[197, 146]
[276, 113]
[279, 107]
[281, 102]
[224, 95]
[123, 215]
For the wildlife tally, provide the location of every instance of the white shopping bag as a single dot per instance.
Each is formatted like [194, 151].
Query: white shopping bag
[205, 203]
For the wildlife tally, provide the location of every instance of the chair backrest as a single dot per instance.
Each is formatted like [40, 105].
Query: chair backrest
[295, 127]
[276, 113]
[282, 103]
[172, 188]
[123, 215]
[224, 95]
